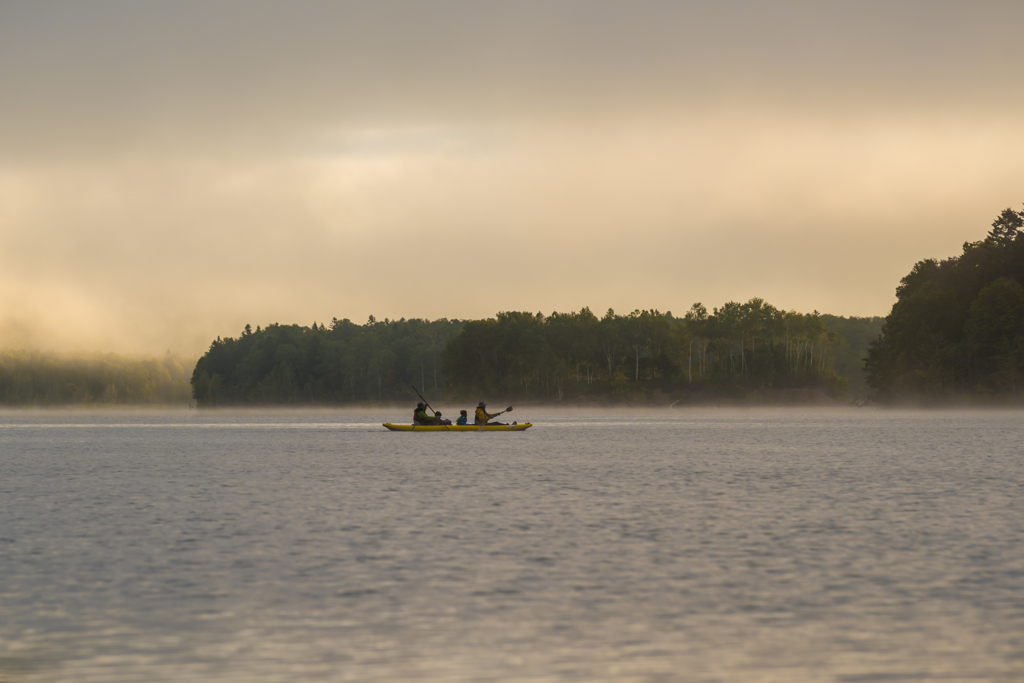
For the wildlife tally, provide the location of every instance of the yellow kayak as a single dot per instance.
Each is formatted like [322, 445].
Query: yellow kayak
[458, 428]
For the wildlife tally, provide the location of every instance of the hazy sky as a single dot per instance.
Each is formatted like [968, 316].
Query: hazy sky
[172, 171]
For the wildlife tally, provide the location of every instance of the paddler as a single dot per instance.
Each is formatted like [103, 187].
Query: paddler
[420, 416]
[482, 416]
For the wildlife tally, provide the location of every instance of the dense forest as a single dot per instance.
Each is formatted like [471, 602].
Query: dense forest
[47, 378]
[956, 331]
[343, 363]
[730, 351]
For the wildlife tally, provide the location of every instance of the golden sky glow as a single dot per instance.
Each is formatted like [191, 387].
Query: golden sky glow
[171, 172]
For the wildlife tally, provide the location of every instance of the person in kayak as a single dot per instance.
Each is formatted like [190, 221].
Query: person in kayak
[463, 418]
[420, 416]
[482, 416]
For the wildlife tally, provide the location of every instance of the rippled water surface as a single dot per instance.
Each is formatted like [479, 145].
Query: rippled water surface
[765, 545]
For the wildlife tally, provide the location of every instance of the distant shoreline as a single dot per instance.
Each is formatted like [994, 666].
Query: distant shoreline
[763, 398]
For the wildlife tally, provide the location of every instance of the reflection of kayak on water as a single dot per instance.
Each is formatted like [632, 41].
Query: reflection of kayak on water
[458, 428]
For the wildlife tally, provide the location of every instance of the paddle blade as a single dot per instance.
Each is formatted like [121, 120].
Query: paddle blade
[509, 409]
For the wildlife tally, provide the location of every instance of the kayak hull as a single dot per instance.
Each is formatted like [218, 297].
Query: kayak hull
[458, 428]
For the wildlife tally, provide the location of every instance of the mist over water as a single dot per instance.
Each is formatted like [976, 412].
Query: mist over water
[698, 545]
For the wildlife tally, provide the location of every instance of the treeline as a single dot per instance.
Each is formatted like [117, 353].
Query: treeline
[956, 330]
[33, 378]
[343, 363]
[734, 349]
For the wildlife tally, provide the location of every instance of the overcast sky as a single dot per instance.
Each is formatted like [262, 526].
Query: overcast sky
[172, 171]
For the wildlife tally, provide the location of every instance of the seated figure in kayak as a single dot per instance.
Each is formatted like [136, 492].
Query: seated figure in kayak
[482, 416]
[420, 416]
[463, 418]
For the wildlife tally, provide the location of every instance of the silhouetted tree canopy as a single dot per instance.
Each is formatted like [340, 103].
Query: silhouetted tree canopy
[737, 347]
[520, 355]
[957, 327]
[343, 363]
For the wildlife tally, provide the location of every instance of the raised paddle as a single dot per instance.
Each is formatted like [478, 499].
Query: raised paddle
[507, 410]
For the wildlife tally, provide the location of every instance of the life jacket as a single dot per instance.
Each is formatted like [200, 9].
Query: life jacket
[481, 416]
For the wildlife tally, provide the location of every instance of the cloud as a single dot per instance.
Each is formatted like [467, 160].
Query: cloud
[108, 75]
[169, 173]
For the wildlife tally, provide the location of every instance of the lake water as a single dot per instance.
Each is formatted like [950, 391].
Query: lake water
[721, 545]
